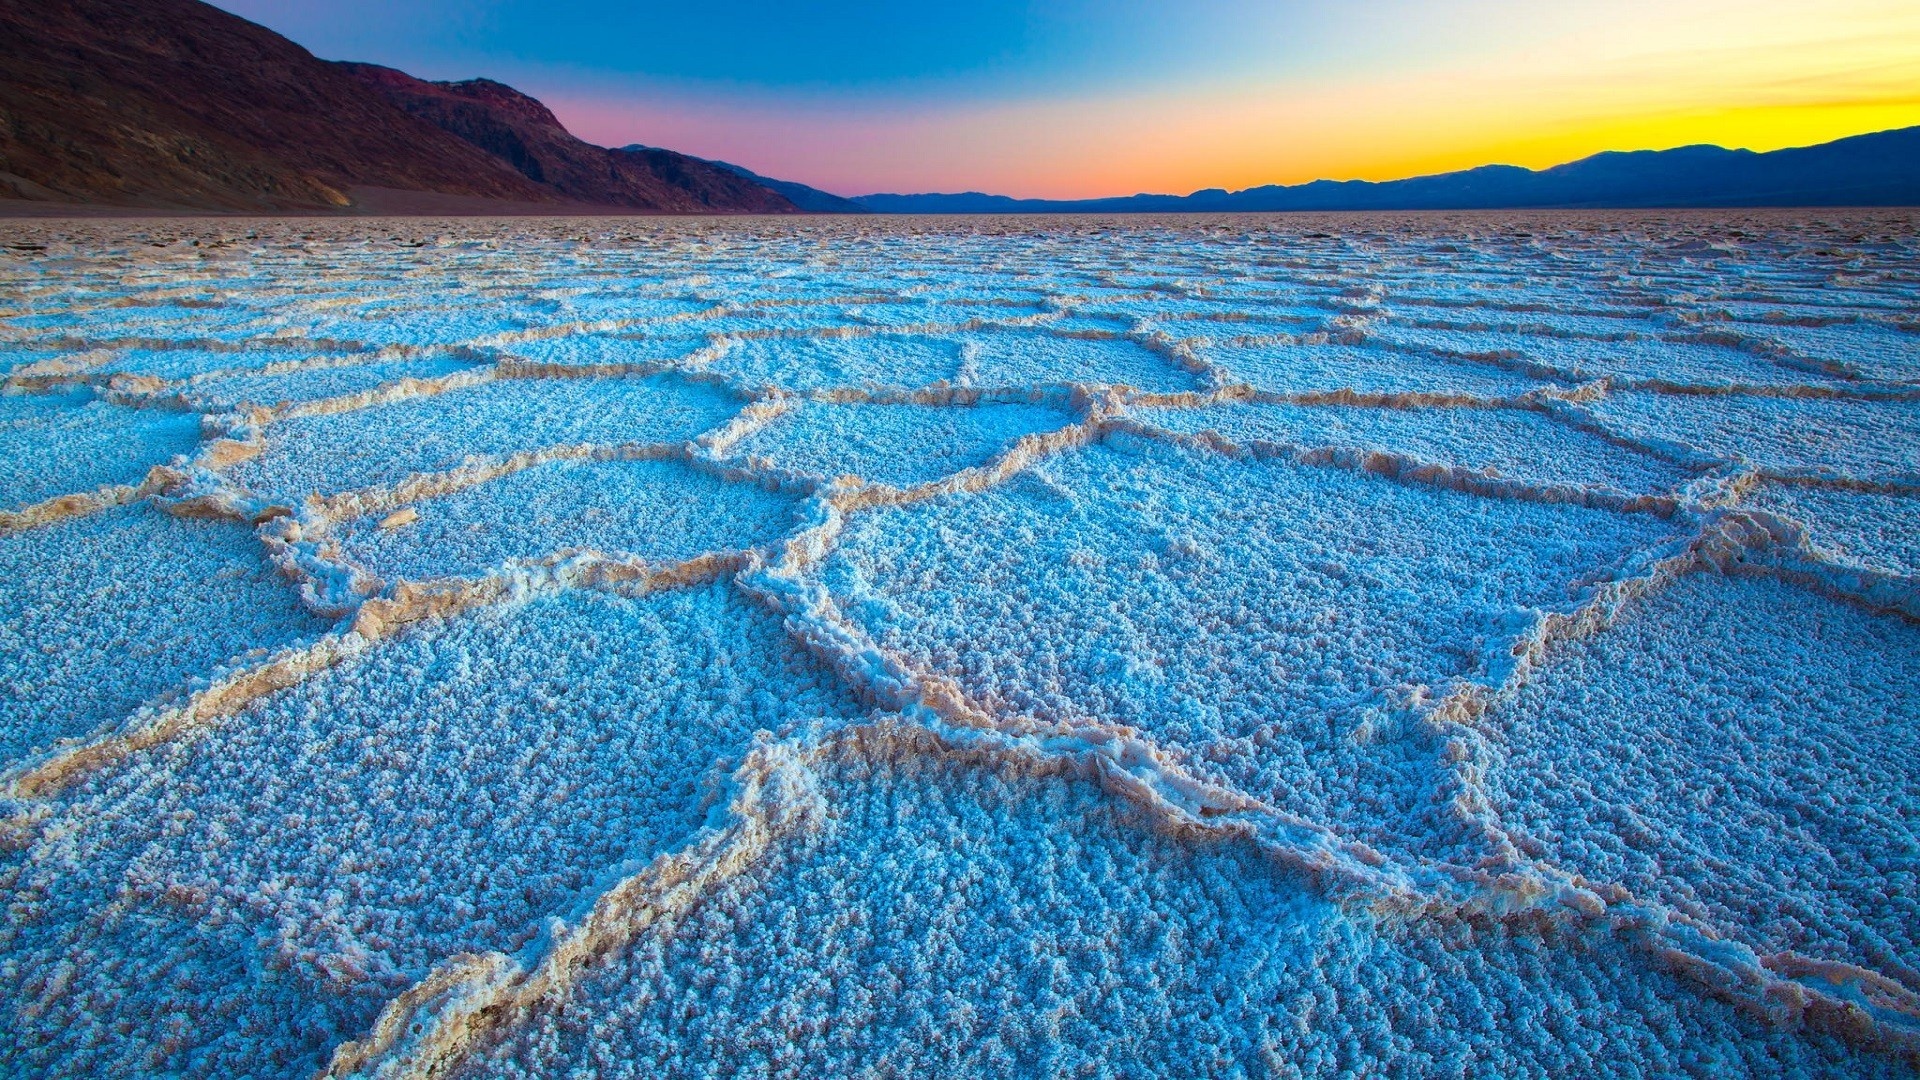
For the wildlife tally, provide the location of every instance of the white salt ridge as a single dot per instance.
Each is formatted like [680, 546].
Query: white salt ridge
[313, 382]
[261, 919]
[818, 363]
[102, 614]
[1739, 749]
[332, 452]
[1881, 532]
[1114, 584]
[897, 444]
[590, 349]
[1258, 673]
[658, 511]
[1290, 368]
[937, 918]
[1870, 350]
[1029, 357]
[1818, 437]
[67, 443]
[1513, 443]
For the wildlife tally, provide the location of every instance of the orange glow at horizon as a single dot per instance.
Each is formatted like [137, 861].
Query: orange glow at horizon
[1760, 75]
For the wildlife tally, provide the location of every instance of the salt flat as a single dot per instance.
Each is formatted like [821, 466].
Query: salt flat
[1465, 645]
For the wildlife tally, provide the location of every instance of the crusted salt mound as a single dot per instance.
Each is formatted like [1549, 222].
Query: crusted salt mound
[900, 445]
[942, 311]
[381, 444]
[1034, 357]
[112, 322]
[1873, 530]
[588, 349]
[1628, 357]
[1267, 621]
[1285, 368]
[1869, 350]
[240, 903]
[1742, 750]
[1515, 443]
[771, 319]
[1861, 440]
[660, 511]
[69, 443]
[101, 614]
[626, 303]
[819, 363]
[1185, 316]
[176, 364]
[400, 322]
[954, 921]
[219, 393]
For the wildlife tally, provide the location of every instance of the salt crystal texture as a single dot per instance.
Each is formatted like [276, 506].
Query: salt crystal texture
[1263, 646]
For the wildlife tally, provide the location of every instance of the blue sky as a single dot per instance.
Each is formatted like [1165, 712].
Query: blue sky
[1079, 98]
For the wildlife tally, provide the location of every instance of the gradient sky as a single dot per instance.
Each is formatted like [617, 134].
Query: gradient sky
[1076, 98]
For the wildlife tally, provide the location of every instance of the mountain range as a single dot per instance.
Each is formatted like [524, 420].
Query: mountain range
[176, 105]
[1881, 169]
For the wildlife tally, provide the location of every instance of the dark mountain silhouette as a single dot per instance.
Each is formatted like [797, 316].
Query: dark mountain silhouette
[810, 199]
[1882, 169]
[525, 134]
[174, 104]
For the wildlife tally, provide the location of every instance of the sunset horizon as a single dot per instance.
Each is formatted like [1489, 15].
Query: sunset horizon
[1084, 103]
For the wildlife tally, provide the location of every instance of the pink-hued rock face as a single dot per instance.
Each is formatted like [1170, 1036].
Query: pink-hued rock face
[174, 104]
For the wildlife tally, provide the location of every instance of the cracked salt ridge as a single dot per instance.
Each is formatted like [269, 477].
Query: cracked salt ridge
[404, 325]
[588, 349]
[1517, 444]
[227, 907]
[818, 363]
[219, 323]
[383, 444]
[1663, 361]
[1468, 319]
[1875, 351]
[896, 444]
[220, 393]
[1880, 532]
[1862, 442]
[939, 916]
[777, 320]
[658, 511]
[1021, 357]
[911, 314]
[68, 443]
[1742, 750]
[102, 614]
[1273, 624]
[1288, 368]
[164, 363]
[1215, 317]
[625, 304]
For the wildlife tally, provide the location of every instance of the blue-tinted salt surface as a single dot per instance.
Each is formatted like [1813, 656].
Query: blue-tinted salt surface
[238, 903]
[1480, 711]
[67, 443]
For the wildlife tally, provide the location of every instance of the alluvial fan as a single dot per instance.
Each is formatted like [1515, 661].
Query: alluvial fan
[1266, 646]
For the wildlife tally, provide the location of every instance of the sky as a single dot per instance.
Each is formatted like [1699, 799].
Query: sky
[1077, 98]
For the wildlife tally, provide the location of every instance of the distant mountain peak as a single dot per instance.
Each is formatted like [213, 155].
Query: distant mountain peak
[810, 199]
[1880, 169]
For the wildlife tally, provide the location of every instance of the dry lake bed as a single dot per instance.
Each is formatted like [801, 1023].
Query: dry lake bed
[1439, 645]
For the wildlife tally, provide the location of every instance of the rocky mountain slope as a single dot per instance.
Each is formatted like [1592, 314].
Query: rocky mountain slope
[174, 104]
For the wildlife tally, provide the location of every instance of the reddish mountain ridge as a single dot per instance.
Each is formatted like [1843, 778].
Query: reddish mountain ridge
[174, 104]
[520, 131]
